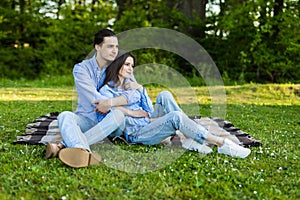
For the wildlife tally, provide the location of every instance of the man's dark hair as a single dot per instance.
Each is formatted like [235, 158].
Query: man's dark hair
[99, 36]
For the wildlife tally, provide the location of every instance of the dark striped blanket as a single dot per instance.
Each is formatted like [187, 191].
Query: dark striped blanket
[45, 129]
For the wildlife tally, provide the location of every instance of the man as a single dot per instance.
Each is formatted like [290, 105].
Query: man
[80, 129]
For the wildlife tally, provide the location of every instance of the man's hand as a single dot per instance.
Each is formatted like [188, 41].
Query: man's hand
[103, 106]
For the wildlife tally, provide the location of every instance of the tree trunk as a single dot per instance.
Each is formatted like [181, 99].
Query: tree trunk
[193, 10]
[278, 7]
[122, 5]
[222, 14]
[22, 6]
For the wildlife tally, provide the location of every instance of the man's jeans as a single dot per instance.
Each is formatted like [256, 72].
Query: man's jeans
[78, 131]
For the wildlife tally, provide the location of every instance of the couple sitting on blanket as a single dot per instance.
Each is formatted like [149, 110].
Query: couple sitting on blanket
[116, 104]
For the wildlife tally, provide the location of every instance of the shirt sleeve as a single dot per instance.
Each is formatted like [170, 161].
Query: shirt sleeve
[146, 102]
[132, 96]
[85, 83]
[106, 93]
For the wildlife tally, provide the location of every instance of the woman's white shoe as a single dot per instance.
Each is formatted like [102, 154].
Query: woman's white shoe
[232, 149]
[191, 144]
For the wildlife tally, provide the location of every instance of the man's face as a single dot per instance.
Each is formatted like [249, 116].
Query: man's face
[108, 49]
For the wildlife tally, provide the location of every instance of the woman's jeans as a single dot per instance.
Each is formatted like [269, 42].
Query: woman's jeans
[171, 118]
[78, 131]
[164, 104]
[165, 126]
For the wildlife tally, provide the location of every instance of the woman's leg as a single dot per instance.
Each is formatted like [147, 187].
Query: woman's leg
[165, 126]
[164, 104]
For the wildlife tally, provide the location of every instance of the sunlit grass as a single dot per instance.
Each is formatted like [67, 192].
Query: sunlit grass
[271, 94]
[36, 94]
[269, 113]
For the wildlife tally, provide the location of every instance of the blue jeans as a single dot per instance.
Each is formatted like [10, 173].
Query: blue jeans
[78, 131]
[171, 118]
[164, 104]
[165, 126]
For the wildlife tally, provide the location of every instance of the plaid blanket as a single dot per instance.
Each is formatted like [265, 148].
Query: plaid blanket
[45, 129]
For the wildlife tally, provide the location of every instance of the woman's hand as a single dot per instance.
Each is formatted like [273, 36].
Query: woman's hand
[153, 119]
[133, 113]
[138, 113]
[133, 85]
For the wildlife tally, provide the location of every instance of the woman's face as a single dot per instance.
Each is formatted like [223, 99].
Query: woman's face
[127, 68]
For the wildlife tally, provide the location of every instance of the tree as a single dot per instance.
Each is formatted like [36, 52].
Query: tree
[268, 52]
[249, 40]
[195, 12]
[257, 37]
[47, 37]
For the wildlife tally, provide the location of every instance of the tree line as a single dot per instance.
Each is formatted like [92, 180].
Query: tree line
[249, 40]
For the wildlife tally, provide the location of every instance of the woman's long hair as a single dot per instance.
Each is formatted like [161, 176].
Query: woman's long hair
[112, 71]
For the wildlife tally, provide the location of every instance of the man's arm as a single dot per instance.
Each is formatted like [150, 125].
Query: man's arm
[105, 105]
[85, 86]
[128, 97]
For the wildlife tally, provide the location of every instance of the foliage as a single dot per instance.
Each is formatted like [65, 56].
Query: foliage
[262, 53]
[250, 41]
[270, 172]
[46, 45]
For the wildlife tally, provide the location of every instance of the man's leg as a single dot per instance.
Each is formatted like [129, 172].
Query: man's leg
[113, 121]
[72, 127]
[77, 157]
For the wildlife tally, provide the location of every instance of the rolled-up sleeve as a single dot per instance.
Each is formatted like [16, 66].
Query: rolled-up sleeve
[146, 102]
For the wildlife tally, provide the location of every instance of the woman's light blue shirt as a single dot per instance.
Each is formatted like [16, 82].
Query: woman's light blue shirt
[139, 100]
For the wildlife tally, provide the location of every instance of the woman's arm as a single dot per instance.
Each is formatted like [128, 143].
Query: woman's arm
[146, 102]
[109, 98]
[133, 113]
[104, 105]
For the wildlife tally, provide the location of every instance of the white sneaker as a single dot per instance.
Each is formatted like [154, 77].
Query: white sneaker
[192, 145]
[232, 149]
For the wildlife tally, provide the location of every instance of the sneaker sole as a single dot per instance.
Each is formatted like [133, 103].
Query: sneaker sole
[77, 157]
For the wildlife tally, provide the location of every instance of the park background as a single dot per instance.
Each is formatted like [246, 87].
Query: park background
[250, 41]
[255, 45]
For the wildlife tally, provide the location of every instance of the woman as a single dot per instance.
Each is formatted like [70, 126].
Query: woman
[142, 126]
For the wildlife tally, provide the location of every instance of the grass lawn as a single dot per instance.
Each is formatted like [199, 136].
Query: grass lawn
[270, 113]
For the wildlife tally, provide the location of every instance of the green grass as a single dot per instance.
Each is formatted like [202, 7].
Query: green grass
[268, 112]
